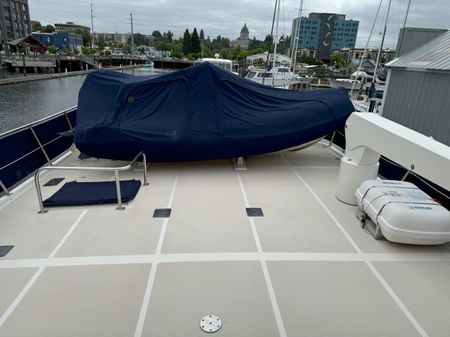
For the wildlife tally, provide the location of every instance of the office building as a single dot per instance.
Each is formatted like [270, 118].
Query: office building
[325, 32]
[14, 20]
[70, 27]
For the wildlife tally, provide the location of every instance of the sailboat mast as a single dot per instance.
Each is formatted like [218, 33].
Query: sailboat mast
[367, 45]
[276, 35]
[375, 76]
[271, 33]
[297, 36]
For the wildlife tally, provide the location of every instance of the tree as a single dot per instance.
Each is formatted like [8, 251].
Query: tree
[49, 29]
[269, 39]
[101, 42]
[139, 40]
[169, 36]
[195, 42]
[186, 42]
[52, 49]
[337, 60]
[36, 27]
[126, 49]
[85, 35]
[157, 33]
[202, 34]
[225, 53]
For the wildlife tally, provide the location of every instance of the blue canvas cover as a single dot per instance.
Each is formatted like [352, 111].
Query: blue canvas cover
[199, 113]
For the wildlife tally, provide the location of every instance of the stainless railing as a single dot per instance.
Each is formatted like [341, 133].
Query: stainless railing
[40, 146]
[103, 169]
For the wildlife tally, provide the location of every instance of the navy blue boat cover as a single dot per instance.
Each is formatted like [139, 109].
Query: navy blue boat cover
[93, 193]
[198, 113]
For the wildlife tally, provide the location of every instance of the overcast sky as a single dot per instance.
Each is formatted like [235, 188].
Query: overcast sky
[226, 17]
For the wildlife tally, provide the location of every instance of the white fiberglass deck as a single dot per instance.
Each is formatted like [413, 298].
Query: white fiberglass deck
[305, 268]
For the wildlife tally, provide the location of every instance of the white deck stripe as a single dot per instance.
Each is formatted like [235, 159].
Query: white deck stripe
[269, 285]
[38, 273]
[151, 279]
[369, 264]
[219, 257]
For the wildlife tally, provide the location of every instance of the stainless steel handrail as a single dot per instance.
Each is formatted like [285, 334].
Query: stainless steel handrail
[104, 169]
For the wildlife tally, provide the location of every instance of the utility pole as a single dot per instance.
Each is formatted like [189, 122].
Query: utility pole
[92, 26]
[132, 34]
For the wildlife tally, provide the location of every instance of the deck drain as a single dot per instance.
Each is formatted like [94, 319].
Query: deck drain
[254, 211]
[5, 250]
[210, 323]
[53, 182]
[162, 213]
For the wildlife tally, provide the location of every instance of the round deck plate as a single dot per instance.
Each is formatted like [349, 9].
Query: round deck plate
[210, 323]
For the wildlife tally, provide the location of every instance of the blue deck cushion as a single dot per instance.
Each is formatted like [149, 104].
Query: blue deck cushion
[93, 193]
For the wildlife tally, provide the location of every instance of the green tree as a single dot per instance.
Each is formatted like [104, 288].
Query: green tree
[101, 42]
[85, 35]
[236, 52]
[52, 49]
[195, 42]
[202, 34]
[225, 53]
[186, 42]
[337, 60]
[76, 51]
[157, 33]
[139, 40]
[126, 49]
[36, 27]
[169, 36]
[108, 52]
[49, 29]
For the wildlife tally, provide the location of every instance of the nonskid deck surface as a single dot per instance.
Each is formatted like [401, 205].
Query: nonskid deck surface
[305, 268]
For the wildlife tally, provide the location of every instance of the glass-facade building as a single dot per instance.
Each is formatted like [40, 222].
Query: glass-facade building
[325, 32]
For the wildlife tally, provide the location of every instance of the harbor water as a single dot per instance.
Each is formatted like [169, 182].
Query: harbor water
[26, 102]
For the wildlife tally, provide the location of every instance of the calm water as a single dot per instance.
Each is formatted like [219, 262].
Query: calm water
[24, 103]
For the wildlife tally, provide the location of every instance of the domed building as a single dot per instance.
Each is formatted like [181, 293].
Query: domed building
[244, 39]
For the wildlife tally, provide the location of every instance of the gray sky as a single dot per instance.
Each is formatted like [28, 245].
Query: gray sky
[226, 17]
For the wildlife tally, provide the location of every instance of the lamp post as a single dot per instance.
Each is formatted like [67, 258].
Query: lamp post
[24, 65]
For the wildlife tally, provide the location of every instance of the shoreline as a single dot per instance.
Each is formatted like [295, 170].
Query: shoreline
[14, 80]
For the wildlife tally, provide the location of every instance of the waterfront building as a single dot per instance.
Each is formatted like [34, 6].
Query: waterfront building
[116, 37]
[260, 59]
[70, 27]
[325, 32]
[352, 54]
[243, 40]
[14, 20]
[62, 41]
[417, 94]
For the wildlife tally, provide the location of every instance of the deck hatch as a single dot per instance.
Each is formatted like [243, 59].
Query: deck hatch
[210, 323]
[162, 213]
[4, 250]
[254, 211]
[53, 181]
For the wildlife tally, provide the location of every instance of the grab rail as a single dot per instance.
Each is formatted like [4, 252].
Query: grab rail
[77, 168]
